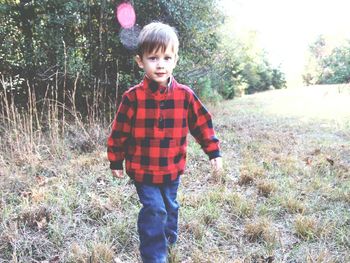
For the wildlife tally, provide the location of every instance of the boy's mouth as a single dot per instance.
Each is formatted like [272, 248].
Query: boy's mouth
[160, 74]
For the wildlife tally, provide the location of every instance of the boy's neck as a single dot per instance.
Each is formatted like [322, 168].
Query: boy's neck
[154, 86]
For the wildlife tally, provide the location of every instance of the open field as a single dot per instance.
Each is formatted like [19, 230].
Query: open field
[284, 195]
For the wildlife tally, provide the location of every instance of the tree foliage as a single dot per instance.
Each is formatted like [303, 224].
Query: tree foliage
[327, 64]
[64, 44]
[241, 67]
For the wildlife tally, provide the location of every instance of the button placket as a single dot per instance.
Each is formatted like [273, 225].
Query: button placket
[161, 108]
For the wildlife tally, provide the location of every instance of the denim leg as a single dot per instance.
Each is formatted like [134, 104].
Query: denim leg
[169, 193]
[151, 224]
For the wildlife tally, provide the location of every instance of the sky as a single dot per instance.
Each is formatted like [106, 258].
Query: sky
[285, 28]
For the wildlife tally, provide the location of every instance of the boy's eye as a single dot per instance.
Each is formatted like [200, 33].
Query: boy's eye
[168, 58]
[152, 58]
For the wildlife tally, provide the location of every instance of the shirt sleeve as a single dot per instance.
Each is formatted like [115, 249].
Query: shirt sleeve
[201, 128]
[121, 130]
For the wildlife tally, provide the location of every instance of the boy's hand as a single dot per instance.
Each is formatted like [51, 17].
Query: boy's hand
[217, 174]
[216, 163]
[118, 173]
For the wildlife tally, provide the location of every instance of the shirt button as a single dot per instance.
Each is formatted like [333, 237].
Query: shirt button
[161, 104]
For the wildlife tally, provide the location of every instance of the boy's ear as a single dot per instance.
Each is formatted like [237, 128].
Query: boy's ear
[139, 61]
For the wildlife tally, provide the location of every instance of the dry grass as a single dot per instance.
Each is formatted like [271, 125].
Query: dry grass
[306, 227]
[266, 187]
[260, 229]
[294, 205]
[250, 173]
[283, 197]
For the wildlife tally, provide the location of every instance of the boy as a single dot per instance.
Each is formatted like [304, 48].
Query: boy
[149, 131]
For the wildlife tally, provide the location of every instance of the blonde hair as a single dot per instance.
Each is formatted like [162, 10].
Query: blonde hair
[155, 36]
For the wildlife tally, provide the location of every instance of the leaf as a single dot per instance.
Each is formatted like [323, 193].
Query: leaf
[26, 194]
[42, 223]
[308, 160]
[55, 259]
[316, 152]
[41, 180]
[331, 161]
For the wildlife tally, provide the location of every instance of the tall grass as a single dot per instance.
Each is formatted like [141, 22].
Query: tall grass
[42, 146]
[46, 126]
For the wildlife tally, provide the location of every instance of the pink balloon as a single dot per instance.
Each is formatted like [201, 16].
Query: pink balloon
[126, 15]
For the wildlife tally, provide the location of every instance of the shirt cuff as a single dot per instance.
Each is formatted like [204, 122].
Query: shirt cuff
[116, 165]
[214, 154]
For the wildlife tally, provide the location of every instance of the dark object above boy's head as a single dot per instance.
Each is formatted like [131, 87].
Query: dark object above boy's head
[157, 36]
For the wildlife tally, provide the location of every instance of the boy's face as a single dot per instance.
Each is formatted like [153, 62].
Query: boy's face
[159, 65]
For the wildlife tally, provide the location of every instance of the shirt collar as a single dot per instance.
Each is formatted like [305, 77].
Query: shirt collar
[154, 87]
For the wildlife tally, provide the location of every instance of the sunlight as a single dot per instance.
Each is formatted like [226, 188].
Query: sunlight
[323, 102]
[286, 28]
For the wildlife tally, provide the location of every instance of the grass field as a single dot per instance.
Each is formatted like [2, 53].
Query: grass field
[284, 195]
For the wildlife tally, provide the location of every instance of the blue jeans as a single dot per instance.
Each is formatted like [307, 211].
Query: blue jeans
[158, 220]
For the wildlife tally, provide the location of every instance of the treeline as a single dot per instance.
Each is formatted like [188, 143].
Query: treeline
[74, 49]
[327, 63]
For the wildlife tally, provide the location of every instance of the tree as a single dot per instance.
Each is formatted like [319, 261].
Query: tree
[317, 52]
[337, 65]
[328, 64]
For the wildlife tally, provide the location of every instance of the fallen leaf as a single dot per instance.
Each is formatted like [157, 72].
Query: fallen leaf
[316, 152]
[331, 162]
[42, 223]
[308, 160]
[270, 259]
[26, 194]
[55, 259]
[41, 180]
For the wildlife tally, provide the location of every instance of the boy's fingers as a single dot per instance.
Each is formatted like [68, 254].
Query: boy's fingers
[118, 173]
[217, 163]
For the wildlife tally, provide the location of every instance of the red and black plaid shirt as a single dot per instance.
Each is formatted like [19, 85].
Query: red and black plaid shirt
[150, 129]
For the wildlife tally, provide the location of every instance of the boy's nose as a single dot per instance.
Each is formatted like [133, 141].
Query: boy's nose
[160, 64]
